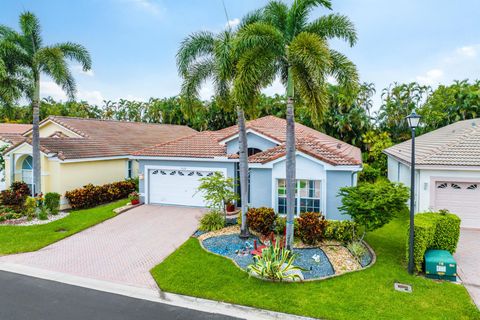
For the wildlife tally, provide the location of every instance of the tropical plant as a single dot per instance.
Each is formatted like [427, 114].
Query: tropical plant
[26, 49]
[261, 220]
[52, 202]
[217, 190]
[372, 205]
[375, 160]
[203, 56]
[357, 249]
[212, 220]
[279, 40]
[275, 263]
[311, 227]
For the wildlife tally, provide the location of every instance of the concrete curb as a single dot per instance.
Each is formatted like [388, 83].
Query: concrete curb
[188, 302]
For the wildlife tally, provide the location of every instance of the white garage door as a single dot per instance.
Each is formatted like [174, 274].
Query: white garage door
[176, 187]
[461, 198]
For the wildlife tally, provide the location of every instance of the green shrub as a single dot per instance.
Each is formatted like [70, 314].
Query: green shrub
[311, 226]
[369, 173]
[434, 230]
[212, 220]
[280, 225]
[43, 213]
[91, 196]
[342, 231]
[357, 249]
[372, 205]
[29, 207]
[261, 219]
[275, 263]
[52, 202]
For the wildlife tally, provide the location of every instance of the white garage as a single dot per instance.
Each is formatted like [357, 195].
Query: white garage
[461, 198]
[175, 186]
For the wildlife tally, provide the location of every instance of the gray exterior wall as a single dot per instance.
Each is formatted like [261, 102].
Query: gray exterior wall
[335, 181]
[260, 187]
[230, 166]
[254, 141]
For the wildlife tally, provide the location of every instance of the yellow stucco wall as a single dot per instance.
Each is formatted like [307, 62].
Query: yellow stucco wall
[50, 128]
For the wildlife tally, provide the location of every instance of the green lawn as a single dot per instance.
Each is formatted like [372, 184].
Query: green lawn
[31, 238]
[366, 294]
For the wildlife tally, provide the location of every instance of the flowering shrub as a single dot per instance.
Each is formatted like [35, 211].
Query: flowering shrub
[133, 196]
[91, 196]
[261, 219]
[311, 226]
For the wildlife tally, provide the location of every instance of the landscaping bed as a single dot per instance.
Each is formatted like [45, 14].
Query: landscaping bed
[324, 260]
[368, 294]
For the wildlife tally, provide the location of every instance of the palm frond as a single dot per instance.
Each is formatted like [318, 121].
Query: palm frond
[195, 76]
[344, 71]
[51, 61]
[76, 52]
[251, 17]
[298, 14]
[195, 46]
[30, 26]
[259, 35]
[276, 14]
[334, 26]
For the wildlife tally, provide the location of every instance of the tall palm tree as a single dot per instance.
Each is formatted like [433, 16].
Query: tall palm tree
[284, 42]
[207, 56]
[27, 50]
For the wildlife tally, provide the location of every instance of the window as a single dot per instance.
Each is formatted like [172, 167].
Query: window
[130, 169]
[252, 151]
[307, 196]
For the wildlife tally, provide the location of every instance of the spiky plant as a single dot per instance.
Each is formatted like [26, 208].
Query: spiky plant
[281, 41]
[28, 51]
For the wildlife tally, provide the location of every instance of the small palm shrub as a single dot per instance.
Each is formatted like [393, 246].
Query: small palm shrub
[275, 263]
[311, 226]
[43, 213]
[357, 249]
[52, 202]
[261, 219]
[212, 220]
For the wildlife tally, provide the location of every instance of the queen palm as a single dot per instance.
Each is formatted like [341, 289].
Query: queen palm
[207, 56]
[27, 50]
[283, 42]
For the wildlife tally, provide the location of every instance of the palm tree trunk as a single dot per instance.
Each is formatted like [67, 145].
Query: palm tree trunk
[290, 162]
[243, 155]
[37, 176]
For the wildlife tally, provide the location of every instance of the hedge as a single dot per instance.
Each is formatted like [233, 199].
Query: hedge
[434, 230]
[91, 196]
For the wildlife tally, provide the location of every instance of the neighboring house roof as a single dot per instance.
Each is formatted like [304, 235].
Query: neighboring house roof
[457, 144]
[12, 132]
[208, 144]
[105, 138]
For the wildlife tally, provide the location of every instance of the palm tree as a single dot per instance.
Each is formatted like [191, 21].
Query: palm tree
[206, 56]
[28, 51]
[283, 42]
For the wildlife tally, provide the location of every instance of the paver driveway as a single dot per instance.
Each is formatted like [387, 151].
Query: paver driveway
[122, 249]
[468, 259]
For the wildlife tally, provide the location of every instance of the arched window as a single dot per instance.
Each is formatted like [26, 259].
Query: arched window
[27, 176]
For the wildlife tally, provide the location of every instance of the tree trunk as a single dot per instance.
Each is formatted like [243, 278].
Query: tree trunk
[37, 176]
[290, 163]
[243, 155]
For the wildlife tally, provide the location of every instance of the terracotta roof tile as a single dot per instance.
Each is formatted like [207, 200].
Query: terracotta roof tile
[15, 128]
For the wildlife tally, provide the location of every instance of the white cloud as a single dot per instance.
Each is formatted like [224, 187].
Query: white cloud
[78, 69]
[148, 5]
[431, 77]
[49, 88]
[232, 23]
[468, 51]
[92, 97]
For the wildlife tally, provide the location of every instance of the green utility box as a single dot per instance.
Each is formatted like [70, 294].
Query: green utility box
[440, 264]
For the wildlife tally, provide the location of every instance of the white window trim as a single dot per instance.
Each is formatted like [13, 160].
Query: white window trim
[147, 169]
[297, 197]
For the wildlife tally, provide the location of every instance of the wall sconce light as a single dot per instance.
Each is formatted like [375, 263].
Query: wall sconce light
[141, 176]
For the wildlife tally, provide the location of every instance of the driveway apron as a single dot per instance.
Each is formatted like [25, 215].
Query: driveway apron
[468, 259]
[122, 249]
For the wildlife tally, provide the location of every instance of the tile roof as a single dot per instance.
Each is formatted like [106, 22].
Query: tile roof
[106, 138]
[457, 144]
[209, 144]
[12, 132]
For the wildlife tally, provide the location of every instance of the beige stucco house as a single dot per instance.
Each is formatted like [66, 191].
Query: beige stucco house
[78, 151]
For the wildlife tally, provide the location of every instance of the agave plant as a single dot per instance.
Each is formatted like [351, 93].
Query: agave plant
[275, 263]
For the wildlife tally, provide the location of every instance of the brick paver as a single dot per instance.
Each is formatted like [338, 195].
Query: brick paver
[122, 249]
[468, 259]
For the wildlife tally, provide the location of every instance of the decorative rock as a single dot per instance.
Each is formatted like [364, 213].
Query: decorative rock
[24, 222]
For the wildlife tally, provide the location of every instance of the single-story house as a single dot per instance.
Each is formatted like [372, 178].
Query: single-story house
[170, 172]
[10, 133]
[79, 151]
[447, 174]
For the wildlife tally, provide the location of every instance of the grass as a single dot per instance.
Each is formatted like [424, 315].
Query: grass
[366, 294]
[16, 239]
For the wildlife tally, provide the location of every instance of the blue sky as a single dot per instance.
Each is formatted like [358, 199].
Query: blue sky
[133, 42]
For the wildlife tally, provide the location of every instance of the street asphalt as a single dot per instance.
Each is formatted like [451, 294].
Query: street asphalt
[26, 298]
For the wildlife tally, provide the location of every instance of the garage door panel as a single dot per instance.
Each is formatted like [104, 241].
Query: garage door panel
[176, 187]
[460, 198]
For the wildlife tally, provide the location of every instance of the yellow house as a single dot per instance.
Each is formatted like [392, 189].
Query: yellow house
[79, 151]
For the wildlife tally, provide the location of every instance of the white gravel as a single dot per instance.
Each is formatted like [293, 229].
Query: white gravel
[24, 222]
